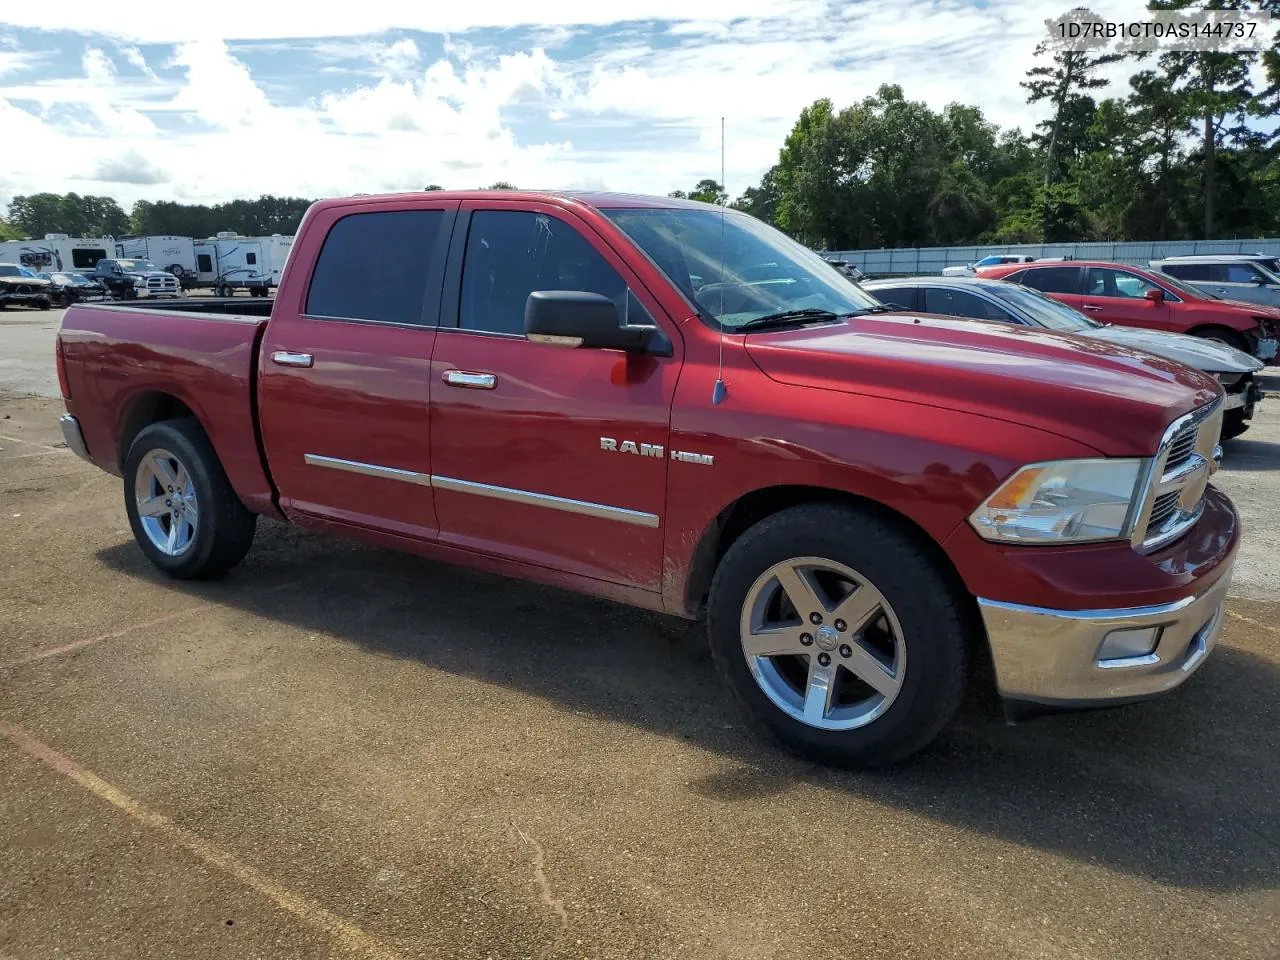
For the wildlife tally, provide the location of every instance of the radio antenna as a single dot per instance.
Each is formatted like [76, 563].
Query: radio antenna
[719, 390]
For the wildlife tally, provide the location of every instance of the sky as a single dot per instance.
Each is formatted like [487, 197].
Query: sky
[307, 99]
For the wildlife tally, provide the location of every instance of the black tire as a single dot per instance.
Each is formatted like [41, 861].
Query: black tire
[1234, 423]
[175, 269]
[44, 303]
[928, 608]
[225, 529]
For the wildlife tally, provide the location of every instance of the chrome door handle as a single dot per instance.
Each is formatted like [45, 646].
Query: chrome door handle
[286, 359]
[475, 381]
[1090, 306]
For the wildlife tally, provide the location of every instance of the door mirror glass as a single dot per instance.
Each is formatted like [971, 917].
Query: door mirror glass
[577, 318]
[1155, 295]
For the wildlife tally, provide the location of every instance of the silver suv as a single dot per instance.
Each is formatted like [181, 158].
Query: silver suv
[1251, 277]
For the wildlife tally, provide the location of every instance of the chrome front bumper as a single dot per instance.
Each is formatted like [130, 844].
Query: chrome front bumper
[75, 439]
[1056, 657]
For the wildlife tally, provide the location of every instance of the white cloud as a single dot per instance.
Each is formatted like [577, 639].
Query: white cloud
[208, 130]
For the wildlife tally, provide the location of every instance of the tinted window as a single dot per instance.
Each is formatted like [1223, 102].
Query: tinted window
[251, 258]
[1194, 272]
[960, 303]
[86, 259]
[1105, 282]
[373, 266]
[1054, 279]
[904, 297]
[510, 254]
[1239, 273]
[1018, 277]
[204, 263]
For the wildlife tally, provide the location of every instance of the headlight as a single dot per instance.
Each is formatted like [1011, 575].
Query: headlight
[1066, 501]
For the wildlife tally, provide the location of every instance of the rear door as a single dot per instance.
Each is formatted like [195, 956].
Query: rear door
[949, 302]
[543, 454]
[344, 385]
[1120, 297]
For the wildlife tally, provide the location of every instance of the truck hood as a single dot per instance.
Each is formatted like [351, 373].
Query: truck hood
[30, 281]
[148, 274]
[1113, 398]
[1208, 355]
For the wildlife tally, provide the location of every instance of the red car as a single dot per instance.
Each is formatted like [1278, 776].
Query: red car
[1133, 297]
[675, 406]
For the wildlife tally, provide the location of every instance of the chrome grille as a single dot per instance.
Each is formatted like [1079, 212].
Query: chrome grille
[1177, 476]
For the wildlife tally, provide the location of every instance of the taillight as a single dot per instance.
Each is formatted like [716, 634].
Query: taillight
[62, 371]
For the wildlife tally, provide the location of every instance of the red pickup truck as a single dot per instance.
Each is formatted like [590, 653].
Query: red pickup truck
[1130, 296]
[677, 407]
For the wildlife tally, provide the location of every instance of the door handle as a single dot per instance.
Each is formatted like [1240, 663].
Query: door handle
[1090, 306]
[286, 359]
[474, 381]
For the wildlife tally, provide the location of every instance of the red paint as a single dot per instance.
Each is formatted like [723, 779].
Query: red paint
[1180, 312]
[922, 415]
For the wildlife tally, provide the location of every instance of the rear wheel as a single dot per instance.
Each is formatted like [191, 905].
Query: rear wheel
[839, 635]
[184, 514]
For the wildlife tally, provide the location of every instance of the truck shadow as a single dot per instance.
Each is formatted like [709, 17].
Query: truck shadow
[1181, 790]
[1246, 454]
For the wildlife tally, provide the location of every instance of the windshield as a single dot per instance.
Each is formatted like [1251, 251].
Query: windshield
[137, 266]
[1046, 311]
[736, 269]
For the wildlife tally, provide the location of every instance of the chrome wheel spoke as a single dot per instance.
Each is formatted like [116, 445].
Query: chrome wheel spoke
[774, 642]
[819, 691]
[867, 667]
[859, 608]
[799, 588]
[159, 466]
[153, 507]
[193, 514]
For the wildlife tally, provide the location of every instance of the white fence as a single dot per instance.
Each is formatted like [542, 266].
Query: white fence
[926, 260]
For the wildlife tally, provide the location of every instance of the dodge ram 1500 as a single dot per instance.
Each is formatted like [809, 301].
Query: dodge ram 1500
[676, 406]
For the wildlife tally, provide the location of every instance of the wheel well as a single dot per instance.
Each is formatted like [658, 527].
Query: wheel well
[745, 512]
[142, 411]
[1214, 329]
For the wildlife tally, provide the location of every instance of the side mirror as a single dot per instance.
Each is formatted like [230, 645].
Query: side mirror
[1155, 295]
[1261, 281]
[575, 318]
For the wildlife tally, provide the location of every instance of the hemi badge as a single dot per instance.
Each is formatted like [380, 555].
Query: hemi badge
[685, 457]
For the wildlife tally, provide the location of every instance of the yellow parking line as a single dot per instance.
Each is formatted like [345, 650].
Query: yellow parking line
[349, 935]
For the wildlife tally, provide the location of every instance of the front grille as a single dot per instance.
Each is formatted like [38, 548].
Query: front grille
[1163, 509]
[1179, 472]
[162, 283]
[1182, 445]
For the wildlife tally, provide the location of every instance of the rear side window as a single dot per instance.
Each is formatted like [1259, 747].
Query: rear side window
[1053, 279]
[961, 303]
[1194, 272]
[251, 258]
[904, 297]
[86, 259]
[373, 266]
[512, 253]
[204, 262]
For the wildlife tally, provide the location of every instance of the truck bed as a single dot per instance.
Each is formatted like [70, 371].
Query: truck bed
[121, 361]
[214, 306]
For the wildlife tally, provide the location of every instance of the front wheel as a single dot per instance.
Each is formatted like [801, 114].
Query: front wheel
[839, 635]
[184, 514]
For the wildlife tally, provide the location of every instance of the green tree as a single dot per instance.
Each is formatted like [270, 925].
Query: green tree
[501, 185]
[1218, 89]
[1063, 83]
[761, 201]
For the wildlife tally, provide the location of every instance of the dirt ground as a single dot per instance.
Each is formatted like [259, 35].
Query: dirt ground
[343, 752]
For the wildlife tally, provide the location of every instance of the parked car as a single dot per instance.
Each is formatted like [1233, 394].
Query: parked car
[1243, 277]
[1134, 297]
[70, 287]
[128, 279]
[859, 504]
[968, 270]
[19, 287]
[975, 298]
[847, 269]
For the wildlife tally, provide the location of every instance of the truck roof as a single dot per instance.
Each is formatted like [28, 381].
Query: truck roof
[601, 200]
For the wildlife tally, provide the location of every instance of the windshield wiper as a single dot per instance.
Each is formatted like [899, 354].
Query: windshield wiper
[785, 318]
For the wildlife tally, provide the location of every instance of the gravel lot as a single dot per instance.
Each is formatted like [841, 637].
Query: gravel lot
[343, 752]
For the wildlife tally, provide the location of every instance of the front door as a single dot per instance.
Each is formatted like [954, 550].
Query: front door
[544, 454]
[344, 384]
[1120, 297]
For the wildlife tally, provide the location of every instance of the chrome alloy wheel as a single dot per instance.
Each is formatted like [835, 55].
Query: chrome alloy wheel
[823, 643]
[166, 500]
